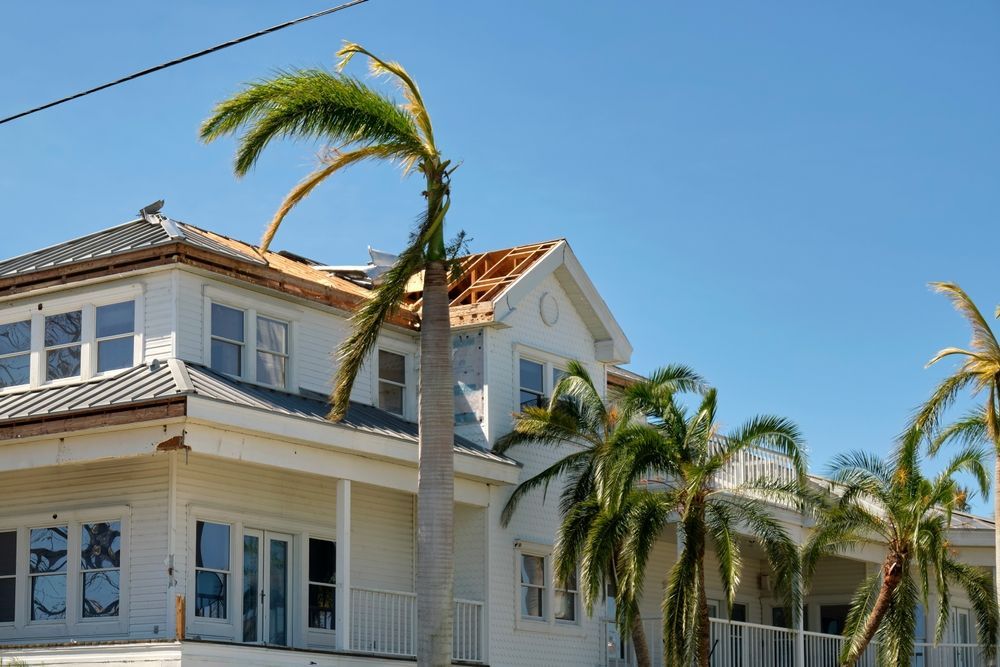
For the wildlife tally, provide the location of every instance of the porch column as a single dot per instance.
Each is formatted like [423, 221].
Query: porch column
[800, 637]
[342, 601]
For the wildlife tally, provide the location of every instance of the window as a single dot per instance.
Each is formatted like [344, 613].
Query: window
[47, 572]
[322, 583]
[391, 381]
[532, 384]
[272, 351]
[8, 572]
[565, 602]
[15, 353]
[100, 568]
[532, 586]
[227, 339]
[211, 569]
[63, 334]
[115, 336]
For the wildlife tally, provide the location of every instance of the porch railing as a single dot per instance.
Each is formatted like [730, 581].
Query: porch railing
[736, 644]
[385, 622]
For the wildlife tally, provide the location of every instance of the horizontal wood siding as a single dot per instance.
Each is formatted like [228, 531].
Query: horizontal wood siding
[470, 552]
[158, 305]
[382, 540]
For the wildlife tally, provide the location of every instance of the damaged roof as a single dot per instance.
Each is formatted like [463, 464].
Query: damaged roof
[176, 379]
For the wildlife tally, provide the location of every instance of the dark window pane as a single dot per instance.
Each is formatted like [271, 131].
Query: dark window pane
[7, 589]
[272, 335]
[251, 587]
[391, 366]
[226, 357]
[100, 545]
[62, 363]
[114, 354]
[321, 607]
[271, 369]
[227, 322]
[8, 553]
[565, 606]
[15, 337]
[531, 601]
[15, 370]
[62, 328]
[210, 594]
[277, 596]
[531, 376]
[212, 545]
[118, 318]
[100, 594]
[48, 549]
[532, 570]
[48, 597]
[390, 397]
[531, 400]
[322, 561]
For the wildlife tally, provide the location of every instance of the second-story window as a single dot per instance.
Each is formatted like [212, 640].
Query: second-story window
[272, 351]
[565, 602]
[391, 381]
[115, 336]
[532, 383]
[228, 339]
[15, 353]
[532, 586]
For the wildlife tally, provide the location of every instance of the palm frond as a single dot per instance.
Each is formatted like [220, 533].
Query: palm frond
[720, 522]
[310, 104]
[541, 479]
[983, 340]
[978, 584]
[861, 608]
[769, 432]
[897, 632]
[969, 429]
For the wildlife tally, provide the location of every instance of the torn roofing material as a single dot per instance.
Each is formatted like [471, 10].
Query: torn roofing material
[176, 379]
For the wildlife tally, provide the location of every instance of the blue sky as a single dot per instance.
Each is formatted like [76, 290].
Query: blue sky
[759, 190]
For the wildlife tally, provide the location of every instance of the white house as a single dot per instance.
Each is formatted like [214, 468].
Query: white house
[162, 413]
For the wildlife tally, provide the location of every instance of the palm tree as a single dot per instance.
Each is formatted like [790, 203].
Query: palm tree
[688, 455]
[594, 516]
[359, 123]
[978, 372]
[893, 502]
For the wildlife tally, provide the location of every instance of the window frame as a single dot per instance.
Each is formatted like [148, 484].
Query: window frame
[230, 573]
[252, 310]
[404, 386]
[74, 623]
[547, 623]
[551, 365]
[17, 587]
[575, 592]
[306, 627]
[37, 310]
[10, 355]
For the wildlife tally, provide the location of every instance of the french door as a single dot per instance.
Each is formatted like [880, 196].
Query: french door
[267, 558]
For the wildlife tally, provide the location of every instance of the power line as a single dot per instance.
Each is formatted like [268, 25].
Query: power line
[184, 59]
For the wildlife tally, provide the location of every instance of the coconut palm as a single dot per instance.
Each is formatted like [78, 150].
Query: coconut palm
[687, 456]
[890, 501]
[361, 124]
[978, 372]
[594, 515]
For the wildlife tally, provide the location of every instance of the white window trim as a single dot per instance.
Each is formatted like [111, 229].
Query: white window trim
[320, 636]
[550, 363]
[87, 303]
[411, 370]
[252, 308]
[405, 385]
[74, 624]
[548, 623]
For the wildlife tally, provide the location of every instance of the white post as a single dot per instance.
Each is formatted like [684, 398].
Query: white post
[800, 637]
[343, 600]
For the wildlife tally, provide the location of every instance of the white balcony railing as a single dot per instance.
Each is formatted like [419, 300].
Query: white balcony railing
[735, 644]
[385, 622]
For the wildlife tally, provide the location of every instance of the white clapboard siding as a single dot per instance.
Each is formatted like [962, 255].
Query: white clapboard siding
[470, 556]
[158, 308]
[382, 538]
[139, 483]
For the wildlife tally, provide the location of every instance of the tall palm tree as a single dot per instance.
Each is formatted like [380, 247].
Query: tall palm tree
[359, 123]
[891, 501]
[594, 516]
[978, 372]
[688, 456]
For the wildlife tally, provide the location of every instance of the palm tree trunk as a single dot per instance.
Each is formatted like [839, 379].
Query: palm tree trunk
[639, 645]
[703, 622]
[892, 573]
[436, 480]
[996, 514]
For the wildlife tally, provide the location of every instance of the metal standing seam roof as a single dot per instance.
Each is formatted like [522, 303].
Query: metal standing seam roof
[159, 379]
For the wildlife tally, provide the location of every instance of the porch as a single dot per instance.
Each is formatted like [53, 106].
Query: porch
[741, 644]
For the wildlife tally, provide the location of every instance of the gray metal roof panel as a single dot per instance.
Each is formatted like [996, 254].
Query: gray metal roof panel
[149, 382]
[121, 238]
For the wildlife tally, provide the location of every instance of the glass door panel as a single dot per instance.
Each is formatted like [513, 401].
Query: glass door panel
[266, 576]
